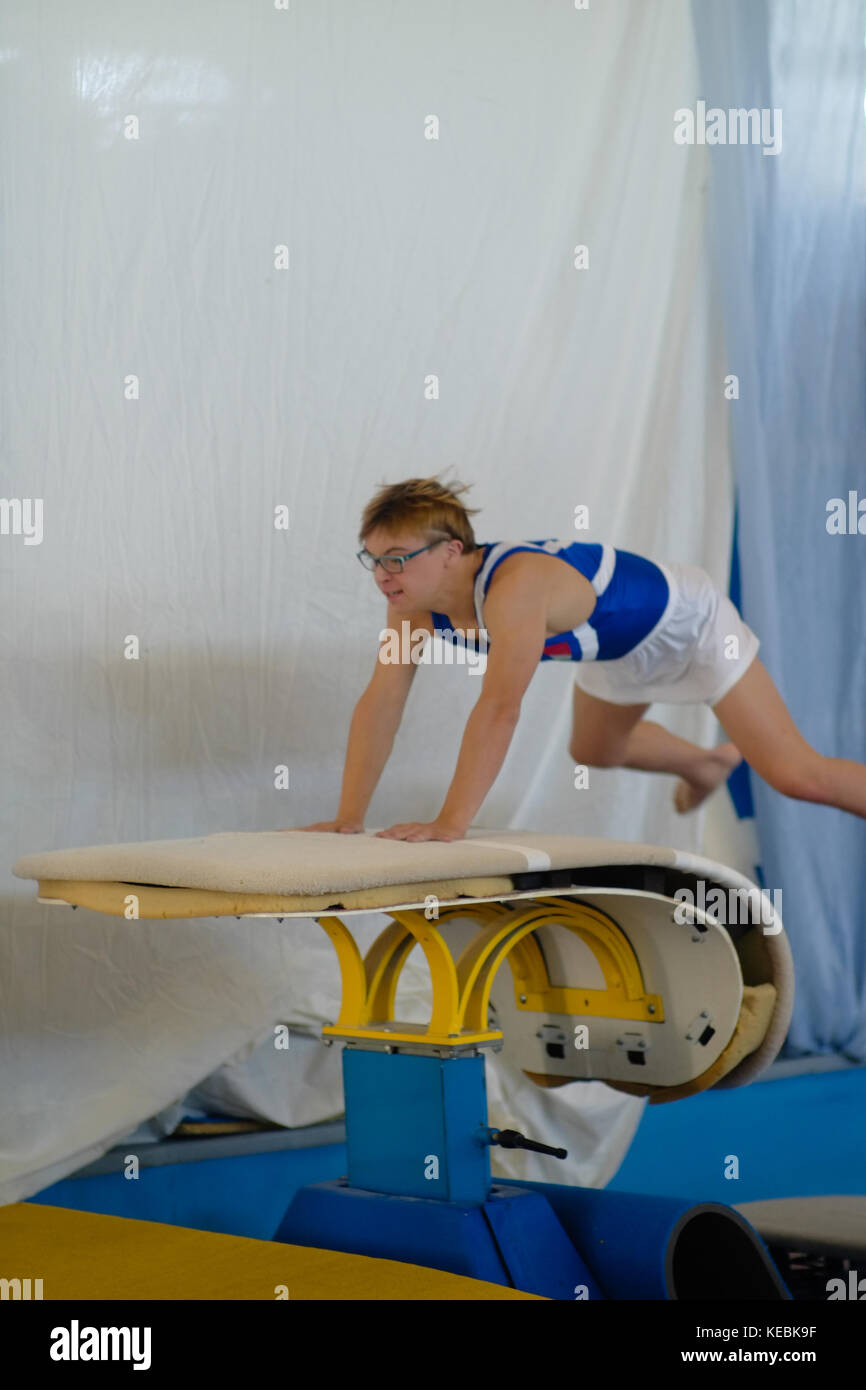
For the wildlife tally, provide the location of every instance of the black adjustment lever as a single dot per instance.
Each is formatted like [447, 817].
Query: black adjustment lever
[511, 1139]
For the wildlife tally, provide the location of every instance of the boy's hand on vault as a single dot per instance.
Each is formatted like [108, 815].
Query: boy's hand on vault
[420, 830]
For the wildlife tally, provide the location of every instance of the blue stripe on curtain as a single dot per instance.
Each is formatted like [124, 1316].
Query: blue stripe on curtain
[739, 782]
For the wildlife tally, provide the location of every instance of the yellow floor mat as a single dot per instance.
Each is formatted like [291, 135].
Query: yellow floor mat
[82, 1255]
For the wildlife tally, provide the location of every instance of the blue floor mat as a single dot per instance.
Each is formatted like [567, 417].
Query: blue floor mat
[798, 1136]
[243, 1195]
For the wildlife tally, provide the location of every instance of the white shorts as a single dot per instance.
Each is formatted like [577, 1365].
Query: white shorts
[689, 657]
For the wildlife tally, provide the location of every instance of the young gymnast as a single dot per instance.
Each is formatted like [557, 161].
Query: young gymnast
[640, 632]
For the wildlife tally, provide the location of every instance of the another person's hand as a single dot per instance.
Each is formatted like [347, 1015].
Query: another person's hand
[342, 827]
[418, 830]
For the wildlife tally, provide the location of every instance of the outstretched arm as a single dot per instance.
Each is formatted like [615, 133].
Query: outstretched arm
[515, 616]
[374, 725]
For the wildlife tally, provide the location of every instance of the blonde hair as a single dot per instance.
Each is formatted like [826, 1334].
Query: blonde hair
[424, 504]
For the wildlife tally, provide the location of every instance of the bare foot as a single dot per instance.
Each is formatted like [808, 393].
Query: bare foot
[715, 768]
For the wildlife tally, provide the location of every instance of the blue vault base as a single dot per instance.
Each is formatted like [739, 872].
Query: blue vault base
[556, 1241]
[419, 1190]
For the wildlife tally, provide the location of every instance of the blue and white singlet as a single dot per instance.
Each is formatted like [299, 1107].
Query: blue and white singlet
[632, 596]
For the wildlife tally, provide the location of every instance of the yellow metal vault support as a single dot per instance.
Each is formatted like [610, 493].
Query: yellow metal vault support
[623, 997]
[351, 970]
[461, 992]
[444, 1021]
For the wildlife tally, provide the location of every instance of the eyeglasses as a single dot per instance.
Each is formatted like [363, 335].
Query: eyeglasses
[393, 564]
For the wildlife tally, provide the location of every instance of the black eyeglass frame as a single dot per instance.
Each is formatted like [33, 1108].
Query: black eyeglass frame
[397, 560]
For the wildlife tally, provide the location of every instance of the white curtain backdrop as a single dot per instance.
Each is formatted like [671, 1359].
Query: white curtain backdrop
[171, 377]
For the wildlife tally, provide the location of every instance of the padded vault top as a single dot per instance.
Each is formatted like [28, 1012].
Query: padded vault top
[313, 862]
